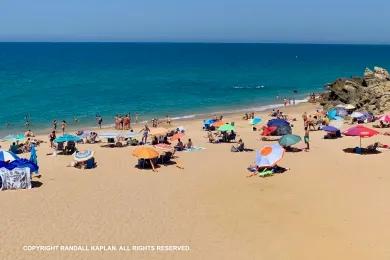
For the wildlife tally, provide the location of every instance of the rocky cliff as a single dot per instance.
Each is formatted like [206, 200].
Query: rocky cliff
[370, 92]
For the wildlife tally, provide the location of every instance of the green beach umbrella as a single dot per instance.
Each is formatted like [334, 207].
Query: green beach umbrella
[226, 128]
[288, 140]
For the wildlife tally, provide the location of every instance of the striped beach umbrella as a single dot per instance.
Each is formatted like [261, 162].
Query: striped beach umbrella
[8, 156]
[83, 156]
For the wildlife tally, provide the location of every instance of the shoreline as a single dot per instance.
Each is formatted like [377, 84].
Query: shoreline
[185, 118]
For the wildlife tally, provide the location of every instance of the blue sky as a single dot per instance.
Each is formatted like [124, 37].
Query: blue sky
[314, 21]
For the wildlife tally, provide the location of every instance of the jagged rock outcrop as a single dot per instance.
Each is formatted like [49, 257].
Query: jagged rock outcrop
[370, 93]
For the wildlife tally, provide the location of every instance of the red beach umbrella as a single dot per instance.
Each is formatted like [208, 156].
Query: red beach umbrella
[361, 131]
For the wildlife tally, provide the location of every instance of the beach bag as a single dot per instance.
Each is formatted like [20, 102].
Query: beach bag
[18, 178]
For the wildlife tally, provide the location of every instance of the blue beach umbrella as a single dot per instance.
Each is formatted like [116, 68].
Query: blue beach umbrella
[67, 138]
[330, 128]
[7, 156]
[255, 121]
[278, 122]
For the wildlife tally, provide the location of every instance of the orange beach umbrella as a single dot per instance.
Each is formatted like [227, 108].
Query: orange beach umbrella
[145, 153]
[177, 136]
[218, 123]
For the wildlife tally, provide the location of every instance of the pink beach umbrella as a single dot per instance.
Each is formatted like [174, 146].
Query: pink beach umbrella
[361, 131]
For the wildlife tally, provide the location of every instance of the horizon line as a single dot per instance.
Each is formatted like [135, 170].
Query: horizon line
[202, 42]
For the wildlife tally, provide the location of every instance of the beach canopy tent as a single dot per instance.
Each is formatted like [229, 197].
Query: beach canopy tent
[385, 118]
[14, 138]
[337, 113]
[282, 130]
[278, 122]
[269, 155]
[177, 136]
[67, 138]
[227, 128]
[360, 131]
[82, 156]
[255, 121]
[366, 117]
[7, 156]
[330, 129]
[289, 139]
[158, 131]
[19, 163]
[268, 130]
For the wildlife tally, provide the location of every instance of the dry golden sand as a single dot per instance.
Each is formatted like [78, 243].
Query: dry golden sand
[329, 205]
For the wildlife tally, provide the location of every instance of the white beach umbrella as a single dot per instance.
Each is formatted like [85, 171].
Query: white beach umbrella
[356, 114]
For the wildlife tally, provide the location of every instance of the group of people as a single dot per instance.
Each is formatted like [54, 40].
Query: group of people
[122, 122]
[63, 125]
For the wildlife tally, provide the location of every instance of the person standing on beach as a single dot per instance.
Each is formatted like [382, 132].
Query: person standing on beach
[145, 134]
[54, 124]
[168, 120]
[63, 126]
[99, 120]
[52, 137]
[306, 138]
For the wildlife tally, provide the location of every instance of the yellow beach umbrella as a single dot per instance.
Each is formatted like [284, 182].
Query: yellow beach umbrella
[145, 152]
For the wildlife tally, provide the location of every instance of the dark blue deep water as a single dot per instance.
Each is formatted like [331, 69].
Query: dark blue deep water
[59, 81]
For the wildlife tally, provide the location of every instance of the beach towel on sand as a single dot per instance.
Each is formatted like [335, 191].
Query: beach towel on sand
[17, 178]
[194, 149]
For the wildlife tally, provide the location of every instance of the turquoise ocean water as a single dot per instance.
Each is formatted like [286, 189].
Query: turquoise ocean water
[49, 81]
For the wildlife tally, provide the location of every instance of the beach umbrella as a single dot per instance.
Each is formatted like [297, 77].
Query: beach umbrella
[82, 156]
[255, 121]
[67, 138]
[277, 122]
[385, 118]
[227, 128]
[268, 130]
[14, 138]
[145, 152]
[288, 140]
[330, 128]
[341, 105]
[357, 114]
[269, 155]
[361, 131]
[218, 123]
[8, 156]
[177, 136]
[158, 131]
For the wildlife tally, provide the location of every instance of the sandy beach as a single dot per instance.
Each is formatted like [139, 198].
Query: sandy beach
[329, 205]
